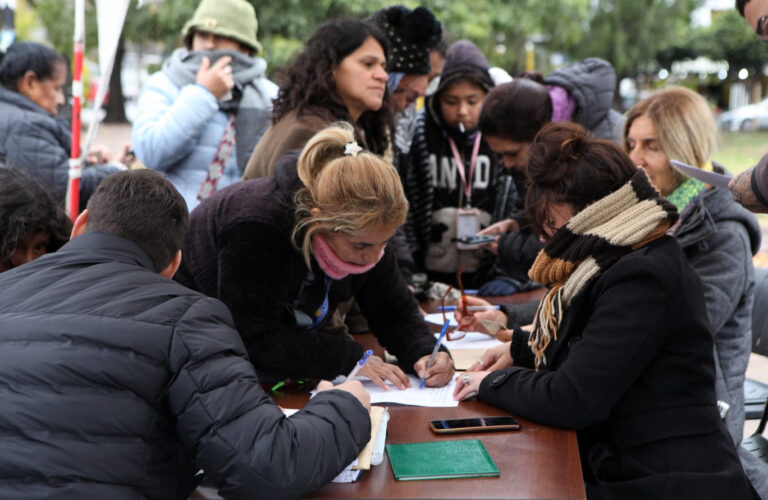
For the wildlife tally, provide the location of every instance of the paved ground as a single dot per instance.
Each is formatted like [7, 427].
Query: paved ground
[113, 136]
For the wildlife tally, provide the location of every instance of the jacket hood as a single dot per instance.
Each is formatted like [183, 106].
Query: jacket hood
[464, 59]
[716, 206]
[592, 83]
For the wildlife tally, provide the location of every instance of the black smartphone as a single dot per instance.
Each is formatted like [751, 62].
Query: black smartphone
[479, 424]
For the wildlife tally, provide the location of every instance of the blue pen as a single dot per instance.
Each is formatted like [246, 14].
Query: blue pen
[469, 308]
[360, 364]
[434, 351]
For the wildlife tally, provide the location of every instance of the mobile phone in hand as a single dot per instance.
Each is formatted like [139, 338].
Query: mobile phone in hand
[479, 424]
[475, 240]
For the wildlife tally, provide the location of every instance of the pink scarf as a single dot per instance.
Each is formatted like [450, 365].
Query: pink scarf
[334, 267]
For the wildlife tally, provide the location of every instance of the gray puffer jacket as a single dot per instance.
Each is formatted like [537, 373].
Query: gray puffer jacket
[34, 141]
[719, 238]
[120, 383]
[592, 83]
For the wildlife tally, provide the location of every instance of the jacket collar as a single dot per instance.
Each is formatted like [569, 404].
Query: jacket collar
[20, 100]
[108, 247]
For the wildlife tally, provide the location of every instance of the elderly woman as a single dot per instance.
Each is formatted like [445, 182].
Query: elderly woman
[717, 235]
[621, 349]
[32, 138]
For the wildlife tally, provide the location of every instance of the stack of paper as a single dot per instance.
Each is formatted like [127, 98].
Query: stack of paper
[436, 397]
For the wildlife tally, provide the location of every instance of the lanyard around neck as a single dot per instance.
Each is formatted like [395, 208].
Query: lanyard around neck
[466, 181]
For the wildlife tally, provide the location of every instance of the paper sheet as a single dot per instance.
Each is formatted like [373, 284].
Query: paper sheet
[463, 359]
[473, 340]
[435, 397]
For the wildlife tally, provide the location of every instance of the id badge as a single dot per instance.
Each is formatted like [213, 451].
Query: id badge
[467, 224]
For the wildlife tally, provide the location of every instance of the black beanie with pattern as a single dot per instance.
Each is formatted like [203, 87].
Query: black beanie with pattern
[411, 35]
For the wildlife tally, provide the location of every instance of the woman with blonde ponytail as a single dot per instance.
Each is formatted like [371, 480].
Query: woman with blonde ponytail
[282, 252]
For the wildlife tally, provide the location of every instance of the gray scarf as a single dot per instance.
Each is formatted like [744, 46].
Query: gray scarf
[250, 100]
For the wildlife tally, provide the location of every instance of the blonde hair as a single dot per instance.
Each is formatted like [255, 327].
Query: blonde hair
[344, 192]
[685, 126]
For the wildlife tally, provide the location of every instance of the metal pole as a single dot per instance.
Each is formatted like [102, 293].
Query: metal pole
[75, 162]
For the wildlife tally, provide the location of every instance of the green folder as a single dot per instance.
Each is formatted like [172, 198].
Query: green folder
[441, 460]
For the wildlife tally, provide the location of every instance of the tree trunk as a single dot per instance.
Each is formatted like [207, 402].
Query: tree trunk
[115, 106]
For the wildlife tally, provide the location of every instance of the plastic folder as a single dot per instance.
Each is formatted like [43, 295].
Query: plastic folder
[441, 460]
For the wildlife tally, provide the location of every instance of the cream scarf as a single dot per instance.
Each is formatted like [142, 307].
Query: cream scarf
[591, 241]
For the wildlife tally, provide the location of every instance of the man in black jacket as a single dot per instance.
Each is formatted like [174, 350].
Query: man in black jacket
[120, 383]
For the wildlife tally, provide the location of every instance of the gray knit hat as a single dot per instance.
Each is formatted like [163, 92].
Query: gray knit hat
[234, 19]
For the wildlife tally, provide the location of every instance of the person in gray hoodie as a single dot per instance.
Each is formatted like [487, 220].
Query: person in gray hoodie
[583, 92]
[717, 235]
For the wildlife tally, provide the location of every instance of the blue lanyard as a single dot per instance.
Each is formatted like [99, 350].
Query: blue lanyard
[322, 311]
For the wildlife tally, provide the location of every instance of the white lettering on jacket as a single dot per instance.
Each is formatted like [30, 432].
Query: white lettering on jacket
[448, 175]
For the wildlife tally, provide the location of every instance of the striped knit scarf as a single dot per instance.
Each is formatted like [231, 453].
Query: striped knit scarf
[591, 242]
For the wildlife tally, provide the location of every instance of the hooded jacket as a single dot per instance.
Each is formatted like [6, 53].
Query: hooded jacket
[178, 128]
[432, 181]
[122, 384]
[719, 238]
[33, 140]
[592, 83]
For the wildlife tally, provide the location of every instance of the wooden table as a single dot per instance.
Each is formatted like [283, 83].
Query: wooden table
[536, 462]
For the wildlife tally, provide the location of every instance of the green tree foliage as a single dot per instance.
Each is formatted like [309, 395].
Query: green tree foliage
[731, 39]
[630, 34]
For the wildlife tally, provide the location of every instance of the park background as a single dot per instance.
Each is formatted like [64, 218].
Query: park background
[704, 45]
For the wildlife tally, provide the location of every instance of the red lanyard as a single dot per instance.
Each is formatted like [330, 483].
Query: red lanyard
[466, 182]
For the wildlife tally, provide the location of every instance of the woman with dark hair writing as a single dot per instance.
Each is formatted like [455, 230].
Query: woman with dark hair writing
[621, 348]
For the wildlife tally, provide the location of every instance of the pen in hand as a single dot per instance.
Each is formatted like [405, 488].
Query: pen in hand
[469, 308]
[360, 364]
[434, 351]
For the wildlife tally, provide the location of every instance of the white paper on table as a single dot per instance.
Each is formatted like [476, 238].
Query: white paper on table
[473, 340]
[435, 397]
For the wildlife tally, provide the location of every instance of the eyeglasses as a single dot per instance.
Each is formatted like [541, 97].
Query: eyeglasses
[762, 28]
[458, 332]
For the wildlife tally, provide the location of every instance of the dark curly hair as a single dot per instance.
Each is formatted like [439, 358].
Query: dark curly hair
[26, 208]
[307, 86]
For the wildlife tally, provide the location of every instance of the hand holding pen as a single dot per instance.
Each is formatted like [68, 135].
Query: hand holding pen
[471, 319]
[423, 368]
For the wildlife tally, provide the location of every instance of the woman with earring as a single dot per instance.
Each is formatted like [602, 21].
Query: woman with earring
[621, 348]
[282, 252]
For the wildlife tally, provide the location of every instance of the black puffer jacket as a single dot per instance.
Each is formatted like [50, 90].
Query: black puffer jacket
[34, 141]
[592, 83]
[119, 383]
